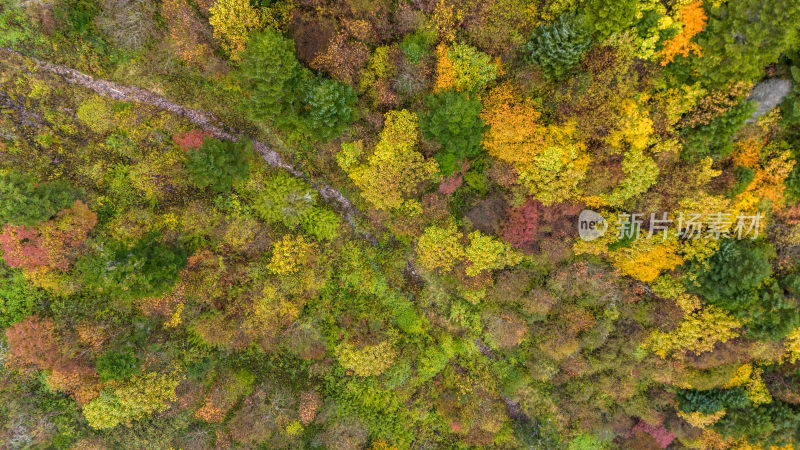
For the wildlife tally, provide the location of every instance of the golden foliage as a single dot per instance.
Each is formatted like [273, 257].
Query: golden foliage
[550, 162]
[439, 248]
[393, 171]
[367, 361]
[741, 376]
[694, 19]
[554, 174]
[635, 128]
[291, 254]
[792, 345]
[646, 258]
[698, 332]
[700, 420]
[210, 412]
[445, 71]
[444, 20]
[233, 20]
[186, 31]
[673, 289]
[175, 319]
[757, 391]
[514, 135]
[771, 166]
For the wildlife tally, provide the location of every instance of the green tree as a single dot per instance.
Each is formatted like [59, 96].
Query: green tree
[24, 202]
[330, 106]
[609, 17]
[285, 199]
[712, 400]
[417, 45]
[716, 138]
[770, 424]
[743, 37]
[738, 279]
[147, 268]
[219, 164]
[117, 364]
[272, 79]
[771, 314]
[453, 120]
[735, 271]
[435, 357]
[558, 47]
[321, 223]
[17, 297]
[279, 89]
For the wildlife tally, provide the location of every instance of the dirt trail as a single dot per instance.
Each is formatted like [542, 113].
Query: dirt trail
[204, 120]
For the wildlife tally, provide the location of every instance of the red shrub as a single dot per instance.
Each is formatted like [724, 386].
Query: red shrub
[659, 433]
[22, 247]
[190, 140]
[32, 342]
[54, 244]
[453, 182]
[534, 227]
[790, 215]
[523, 223]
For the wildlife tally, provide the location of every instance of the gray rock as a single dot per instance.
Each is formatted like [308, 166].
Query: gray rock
[768, 94]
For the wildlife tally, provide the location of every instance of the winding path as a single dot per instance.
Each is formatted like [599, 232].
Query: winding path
[207, 122]
[204, 120]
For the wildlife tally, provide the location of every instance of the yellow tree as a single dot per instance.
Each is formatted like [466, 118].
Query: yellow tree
[550, 162]
[367, 361]
[395, 169]
[463, 67]
[135, 399]
[646, 258]
[555, 173]
[439, 248]
[488, 253]
[633, 135]
[698, 332]
[771, 164]
[445, 71]
[233, 20]
[291, 254]
[514, 135]
[792, 345]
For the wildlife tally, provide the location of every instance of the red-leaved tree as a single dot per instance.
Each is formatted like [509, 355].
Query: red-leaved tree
[22, 247]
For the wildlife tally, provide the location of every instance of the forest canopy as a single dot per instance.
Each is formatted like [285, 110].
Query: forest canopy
[400, 224]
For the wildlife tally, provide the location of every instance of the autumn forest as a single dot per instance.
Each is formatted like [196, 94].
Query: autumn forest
[400, 224]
